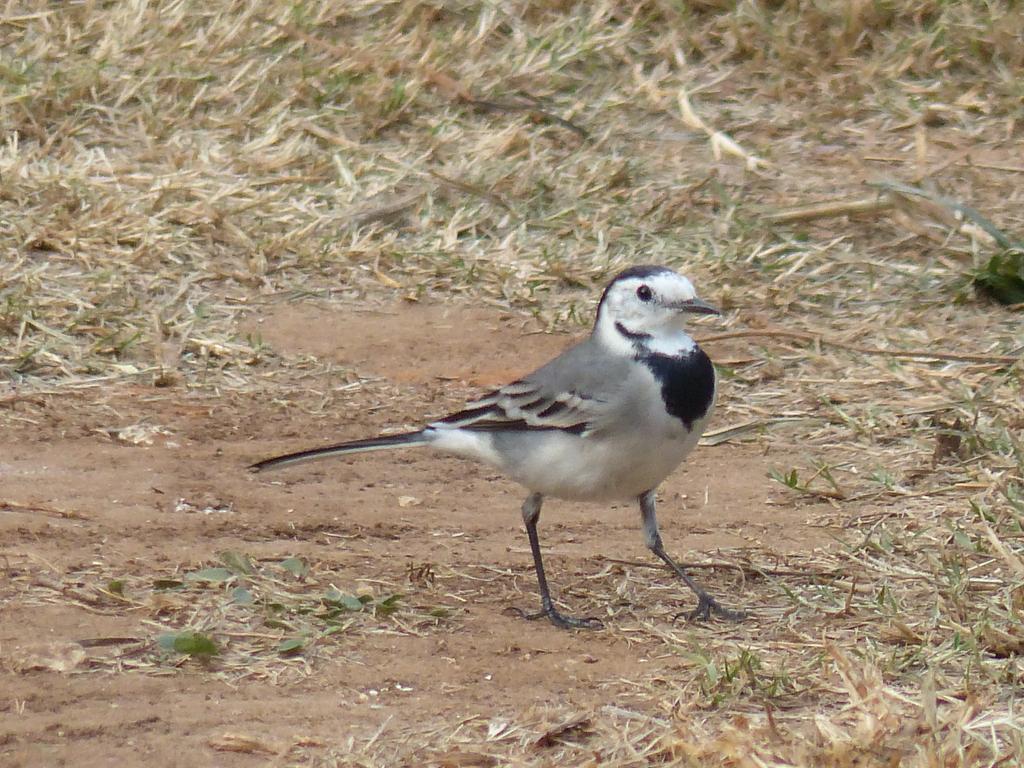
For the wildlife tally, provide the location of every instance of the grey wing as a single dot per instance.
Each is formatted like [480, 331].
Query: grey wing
[571, 393]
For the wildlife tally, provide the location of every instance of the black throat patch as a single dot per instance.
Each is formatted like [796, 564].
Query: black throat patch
[687, 383]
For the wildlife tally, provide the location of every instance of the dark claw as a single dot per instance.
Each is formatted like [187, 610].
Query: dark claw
[560, 620]
[706, 605]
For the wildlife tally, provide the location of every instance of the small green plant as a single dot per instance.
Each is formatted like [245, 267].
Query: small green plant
[1002, 277]
[189, 642]
[822, 471]
[742, 674]
[254, 597]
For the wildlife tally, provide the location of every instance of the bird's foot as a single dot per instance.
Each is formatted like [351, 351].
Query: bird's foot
[560, 620]
[707, 605]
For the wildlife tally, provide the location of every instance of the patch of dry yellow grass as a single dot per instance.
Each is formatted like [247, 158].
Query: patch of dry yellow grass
[167, 166]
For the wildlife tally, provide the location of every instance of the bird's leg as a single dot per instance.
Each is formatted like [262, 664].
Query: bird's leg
[531, 514]
[706, 604]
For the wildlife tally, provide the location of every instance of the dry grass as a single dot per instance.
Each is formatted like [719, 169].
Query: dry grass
[168, 166]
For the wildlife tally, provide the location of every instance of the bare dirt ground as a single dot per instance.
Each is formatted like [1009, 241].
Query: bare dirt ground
[233, 229]
[442, 532]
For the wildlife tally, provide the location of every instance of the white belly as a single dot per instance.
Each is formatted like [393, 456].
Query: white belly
[579, 468]
[569, 467]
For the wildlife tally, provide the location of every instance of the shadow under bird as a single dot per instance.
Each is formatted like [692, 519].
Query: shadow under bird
[607, 420]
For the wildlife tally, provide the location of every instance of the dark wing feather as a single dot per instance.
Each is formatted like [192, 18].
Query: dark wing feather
[524, 406]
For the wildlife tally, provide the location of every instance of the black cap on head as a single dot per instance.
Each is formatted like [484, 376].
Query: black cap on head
[640, 270]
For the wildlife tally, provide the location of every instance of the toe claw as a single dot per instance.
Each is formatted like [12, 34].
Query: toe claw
[573, 622]
[560, 620]
[707, 605]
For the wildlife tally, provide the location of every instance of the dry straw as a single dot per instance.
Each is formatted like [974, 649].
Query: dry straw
[169, 169]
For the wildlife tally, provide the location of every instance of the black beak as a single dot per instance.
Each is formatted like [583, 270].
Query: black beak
[696, 307]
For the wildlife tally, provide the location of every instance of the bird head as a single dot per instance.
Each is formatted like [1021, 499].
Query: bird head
[647, 303]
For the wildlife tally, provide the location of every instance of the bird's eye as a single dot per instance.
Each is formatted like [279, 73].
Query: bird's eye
[644, 293]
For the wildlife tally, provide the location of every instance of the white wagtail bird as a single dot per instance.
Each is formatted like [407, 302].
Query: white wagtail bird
[608, 419]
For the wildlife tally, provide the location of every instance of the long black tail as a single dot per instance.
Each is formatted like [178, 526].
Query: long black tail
[383, 443]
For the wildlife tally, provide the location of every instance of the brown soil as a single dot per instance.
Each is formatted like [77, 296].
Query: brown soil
[80, 507]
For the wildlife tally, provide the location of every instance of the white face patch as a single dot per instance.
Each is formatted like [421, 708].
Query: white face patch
[639, 309]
